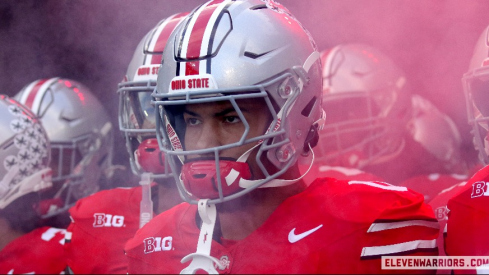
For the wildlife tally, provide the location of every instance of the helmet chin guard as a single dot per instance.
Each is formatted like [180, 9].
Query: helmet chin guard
[200, 177]
[149, 158]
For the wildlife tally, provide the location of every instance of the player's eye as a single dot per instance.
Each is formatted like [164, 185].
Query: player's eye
[192, 121]
[232, 119]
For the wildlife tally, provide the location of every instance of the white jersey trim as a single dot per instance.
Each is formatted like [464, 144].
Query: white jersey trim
[397, 248]
[378, 185]
[376, 227]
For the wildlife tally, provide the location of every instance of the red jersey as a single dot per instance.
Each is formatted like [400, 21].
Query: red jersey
[431, 185]
[101, 225]
[332, 227]
[468, 219]
[39, 251]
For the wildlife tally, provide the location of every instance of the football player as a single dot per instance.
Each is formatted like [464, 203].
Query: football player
[376, 125]
[24, 173]
[468, 210]
[363, 91]
[381, 128]
[440, 151]
[238, 99]
[80, 132]
[103, 222]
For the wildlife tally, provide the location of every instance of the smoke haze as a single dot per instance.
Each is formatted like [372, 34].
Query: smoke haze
[93, 41]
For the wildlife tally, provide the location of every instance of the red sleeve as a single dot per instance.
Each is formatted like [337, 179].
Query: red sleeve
[39, 252]
[384, 220]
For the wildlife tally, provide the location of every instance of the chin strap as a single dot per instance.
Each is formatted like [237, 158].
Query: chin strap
[202, 260]
[146, 205]
[243, 183]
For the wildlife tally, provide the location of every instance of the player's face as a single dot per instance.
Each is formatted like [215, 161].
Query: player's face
[215, 124]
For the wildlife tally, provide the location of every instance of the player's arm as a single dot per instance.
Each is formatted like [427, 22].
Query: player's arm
[405, 227]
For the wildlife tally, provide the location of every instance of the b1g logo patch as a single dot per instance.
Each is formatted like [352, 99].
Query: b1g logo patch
[156, 244]
[479, 189]
[107, 220]
[441, 213]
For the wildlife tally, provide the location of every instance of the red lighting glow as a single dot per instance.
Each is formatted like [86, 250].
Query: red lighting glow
[79, 94]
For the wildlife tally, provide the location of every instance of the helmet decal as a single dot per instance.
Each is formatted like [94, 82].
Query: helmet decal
[24, 153]
[30, 141]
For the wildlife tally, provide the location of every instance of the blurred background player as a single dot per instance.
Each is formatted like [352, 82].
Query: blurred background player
[381, 131]
[441, 150]
[81, 136]
[24, 173]
[468, 209]
[239, 100]
[103, 222]
[377, 129]
[367, 106]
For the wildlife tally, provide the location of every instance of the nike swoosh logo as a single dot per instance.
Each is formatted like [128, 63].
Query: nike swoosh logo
[12, 272]
[295, 238]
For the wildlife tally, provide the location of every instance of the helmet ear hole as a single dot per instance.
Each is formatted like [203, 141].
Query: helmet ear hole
[308, 109]
[311, 139]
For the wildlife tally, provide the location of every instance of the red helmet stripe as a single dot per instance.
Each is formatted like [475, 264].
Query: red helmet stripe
[201, 23]
[192, 68]
[167, 28]
[33, 92]
[196, 37]
[156, 58]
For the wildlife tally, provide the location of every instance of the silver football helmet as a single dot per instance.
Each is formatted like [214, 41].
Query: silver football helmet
[80, 133]
[368, 107]
[136, 114]
[24, 153]
[476, 88]
[228, 51]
